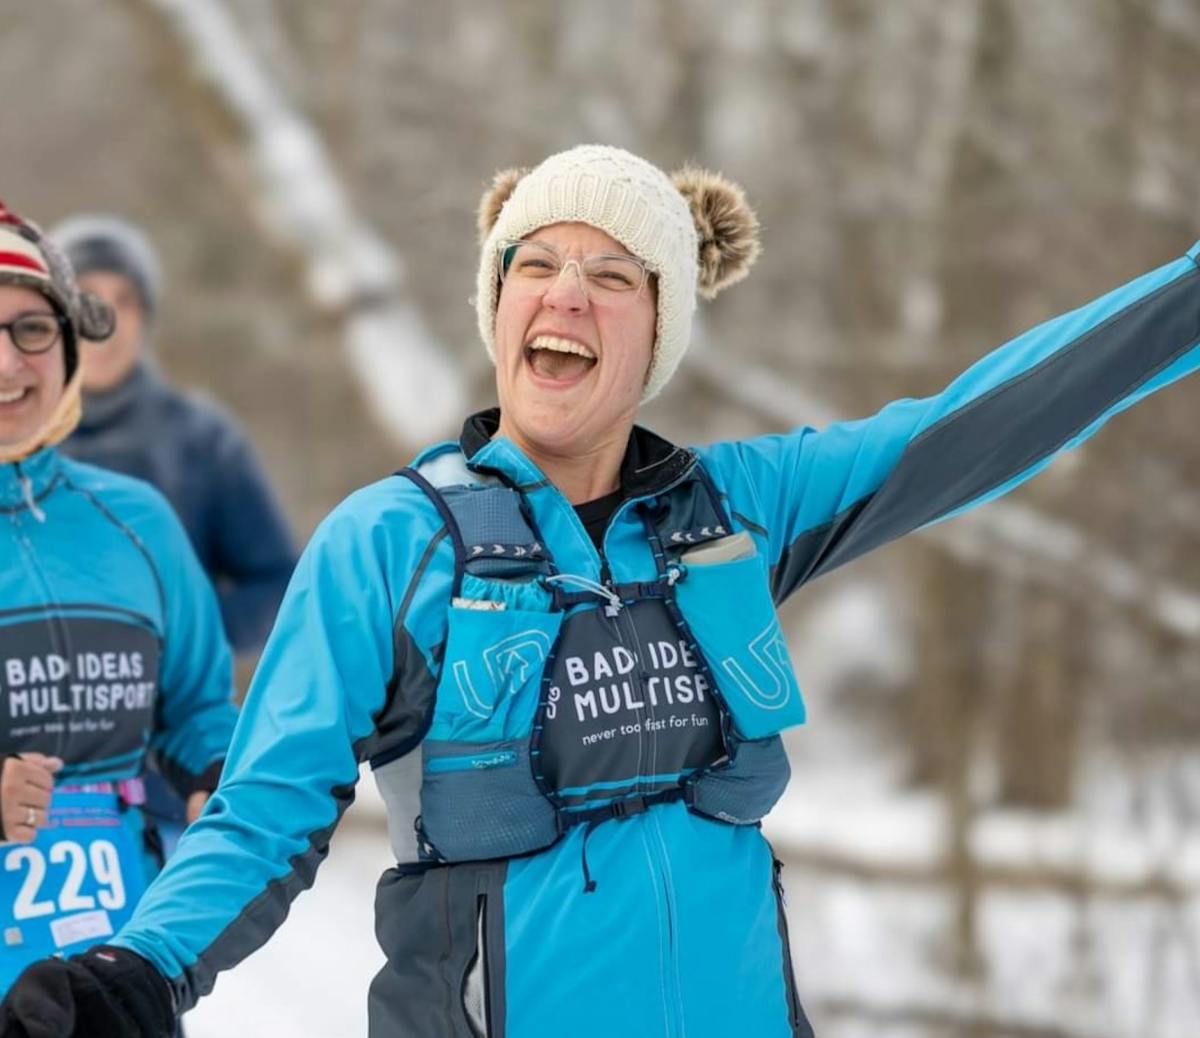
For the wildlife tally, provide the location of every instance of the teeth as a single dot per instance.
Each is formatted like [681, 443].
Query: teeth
[553, 342]
[11, 397]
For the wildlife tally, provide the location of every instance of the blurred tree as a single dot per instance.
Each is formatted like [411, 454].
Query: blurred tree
[933, 176]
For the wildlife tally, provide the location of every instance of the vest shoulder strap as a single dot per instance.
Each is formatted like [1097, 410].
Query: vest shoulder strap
[488, 521]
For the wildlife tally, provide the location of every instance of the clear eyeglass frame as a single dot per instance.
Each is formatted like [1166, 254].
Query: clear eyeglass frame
[607, 278]
[32, 334]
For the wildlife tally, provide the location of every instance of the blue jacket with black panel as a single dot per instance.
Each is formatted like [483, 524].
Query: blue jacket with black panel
[200, 460]
[111, 651]
[575, 745]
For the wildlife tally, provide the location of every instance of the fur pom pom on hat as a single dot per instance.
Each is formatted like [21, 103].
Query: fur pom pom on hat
[694, 230]
[29, 258]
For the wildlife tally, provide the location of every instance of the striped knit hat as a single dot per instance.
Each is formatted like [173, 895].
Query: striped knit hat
[29, 258]
[692, 229]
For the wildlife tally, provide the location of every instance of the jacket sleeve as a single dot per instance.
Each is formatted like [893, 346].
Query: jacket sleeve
[194, 714]
[821, 499]
[329, 668]
[252, 552]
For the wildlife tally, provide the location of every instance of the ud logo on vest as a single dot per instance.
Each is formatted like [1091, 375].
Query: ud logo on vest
[510, 663]
[769, 688]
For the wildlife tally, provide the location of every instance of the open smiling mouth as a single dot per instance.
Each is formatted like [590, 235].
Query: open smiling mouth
[562, 360]
[14, 396]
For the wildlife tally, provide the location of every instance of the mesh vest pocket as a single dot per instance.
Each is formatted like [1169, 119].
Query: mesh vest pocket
[743, 792]
[481, 801]
[479, 798]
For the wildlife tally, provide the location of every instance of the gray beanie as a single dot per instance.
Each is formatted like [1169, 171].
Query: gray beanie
[99, 242]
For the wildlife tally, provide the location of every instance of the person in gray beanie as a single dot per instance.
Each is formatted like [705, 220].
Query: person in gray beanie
[135, 422]
[555, 642]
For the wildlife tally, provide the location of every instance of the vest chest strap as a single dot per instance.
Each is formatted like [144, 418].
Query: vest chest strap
[618, 810]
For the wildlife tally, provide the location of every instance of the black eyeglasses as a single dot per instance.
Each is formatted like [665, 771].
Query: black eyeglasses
[34, 333]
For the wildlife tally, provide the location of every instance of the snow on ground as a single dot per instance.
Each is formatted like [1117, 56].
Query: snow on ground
[310, 980]
[1112, 953]
[1085, 923]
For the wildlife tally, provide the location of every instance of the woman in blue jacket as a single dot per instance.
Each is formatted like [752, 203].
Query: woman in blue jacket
[555, 642]
[111, 646]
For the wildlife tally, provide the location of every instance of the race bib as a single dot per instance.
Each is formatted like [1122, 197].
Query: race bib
[74, 886]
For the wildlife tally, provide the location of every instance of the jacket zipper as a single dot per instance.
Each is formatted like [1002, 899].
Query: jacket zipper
[648, 739]
[472, 762]
[795, 1012]
[28, 494]
[673, 1007]
[658, 866]
[476, 996]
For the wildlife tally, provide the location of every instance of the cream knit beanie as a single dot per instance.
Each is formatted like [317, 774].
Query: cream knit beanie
[693, 230]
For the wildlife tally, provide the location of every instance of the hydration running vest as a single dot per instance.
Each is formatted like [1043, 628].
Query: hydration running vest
[387, 640]
[537, 661]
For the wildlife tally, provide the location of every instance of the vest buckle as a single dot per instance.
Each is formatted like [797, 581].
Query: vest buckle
[622, 809]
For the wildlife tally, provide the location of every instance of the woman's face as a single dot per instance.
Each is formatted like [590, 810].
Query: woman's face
[109, 363]
[30, 384]
[570, 371]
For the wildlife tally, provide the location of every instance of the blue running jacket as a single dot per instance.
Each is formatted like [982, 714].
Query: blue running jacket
[575, 746]
[111, 651]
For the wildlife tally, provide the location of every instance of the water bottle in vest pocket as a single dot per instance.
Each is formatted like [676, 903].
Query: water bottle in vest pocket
[496, 648]
[727, 605]
[479, 798]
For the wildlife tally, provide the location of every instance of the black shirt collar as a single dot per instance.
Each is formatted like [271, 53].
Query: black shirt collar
[651, 463]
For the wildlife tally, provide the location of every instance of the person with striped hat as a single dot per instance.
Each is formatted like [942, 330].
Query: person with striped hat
[554, 640]
[111, 648]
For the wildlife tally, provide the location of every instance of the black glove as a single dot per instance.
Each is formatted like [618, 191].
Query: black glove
[103, 993]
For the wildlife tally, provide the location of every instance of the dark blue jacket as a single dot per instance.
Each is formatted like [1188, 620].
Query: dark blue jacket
[200, 460]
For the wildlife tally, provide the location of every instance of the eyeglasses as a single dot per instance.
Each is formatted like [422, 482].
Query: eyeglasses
[608, 279]
[34, 333]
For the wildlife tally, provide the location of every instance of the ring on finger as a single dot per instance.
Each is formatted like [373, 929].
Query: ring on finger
[31, 817]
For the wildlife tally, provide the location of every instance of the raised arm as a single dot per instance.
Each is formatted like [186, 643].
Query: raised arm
[821, 499]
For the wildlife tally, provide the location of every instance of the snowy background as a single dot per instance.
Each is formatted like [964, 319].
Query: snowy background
[993, 826]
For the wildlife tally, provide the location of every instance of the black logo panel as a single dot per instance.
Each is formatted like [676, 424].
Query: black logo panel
[628, 704]
[79, 687]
